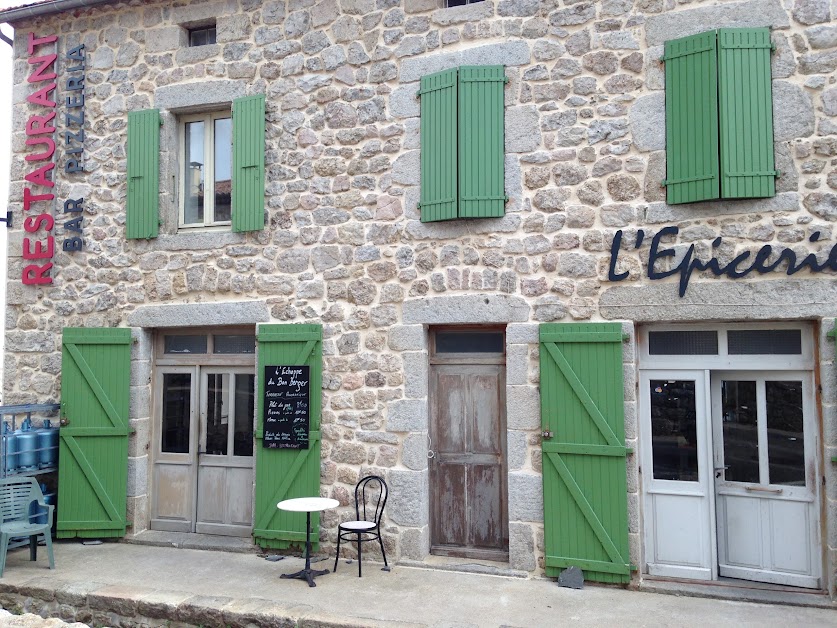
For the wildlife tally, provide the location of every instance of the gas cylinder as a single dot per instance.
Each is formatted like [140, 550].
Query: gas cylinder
[27, 445]
[8, 447]
[47, 445]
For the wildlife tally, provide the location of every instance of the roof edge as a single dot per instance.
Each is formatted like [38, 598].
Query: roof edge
[47, 8]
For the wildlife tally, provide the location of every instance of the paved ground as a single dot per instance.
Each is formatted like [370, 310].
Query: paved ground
[405, 596]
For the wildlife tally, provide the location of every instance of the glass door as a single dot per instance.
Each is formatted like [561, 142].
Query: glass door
[225, 452]
[764, 477]
[676, 475]
[173, 506]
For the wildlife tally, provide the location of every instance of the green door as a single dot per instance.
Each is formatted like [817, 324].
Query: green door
[93, 444]
[287, 473]
[584, 473]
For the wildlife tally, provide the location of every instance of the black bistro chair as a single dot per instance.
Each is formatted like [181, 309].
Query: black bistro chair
[371, 497]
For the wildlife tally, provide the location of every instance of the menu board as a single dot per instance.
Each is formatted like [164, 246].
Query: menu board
[286, 407]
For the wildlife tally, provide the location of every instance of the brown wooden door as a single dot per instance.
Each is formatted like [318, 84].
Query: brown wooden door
[469, 514]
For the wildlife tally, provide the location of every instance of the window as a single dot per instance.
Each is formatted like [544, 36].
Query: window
[460, 3]
[719, 116]
[216, 186]
[202, 35]
[462, 143]
[206, 170]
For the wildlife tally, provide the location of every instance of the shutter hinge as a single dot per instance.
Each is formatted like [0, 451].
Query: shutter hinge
[505, 79]
[506, 199]
[629, 451]
[626, 337]
[663, 183]
[634, 567]
[778, 174]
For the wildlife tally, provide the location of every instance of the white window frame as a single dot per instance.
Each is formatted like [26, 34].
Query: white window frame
[209, 168]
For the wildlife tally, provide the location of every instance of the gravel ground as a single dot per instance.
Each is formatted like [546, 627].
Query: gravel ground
[33, 621]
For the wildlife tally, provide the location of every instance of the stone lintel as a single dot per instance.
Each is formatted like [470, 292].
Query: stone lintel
[200, 314]
[199, 96]
[507, 54]
[722, 300]
[750, 14]
[466, 308]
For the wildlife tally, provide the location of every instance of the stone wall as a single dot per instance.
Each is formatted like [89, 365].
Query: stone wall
[343, 243]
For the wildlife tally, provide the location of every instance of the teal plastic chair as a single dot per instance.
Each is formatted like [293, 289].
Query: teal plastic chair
[16, 496]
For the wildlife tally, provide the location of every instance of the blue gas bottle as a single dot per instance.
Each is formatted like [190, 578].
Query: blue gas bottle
[8, 448]
[27, 445]
[47, 445]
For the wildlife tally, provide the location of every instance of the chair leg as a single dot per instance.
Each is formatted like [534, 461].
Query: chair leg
[48, 538]
[33, 547]
[337, 553]
[358, 554]
[381, 543]
[4, 546]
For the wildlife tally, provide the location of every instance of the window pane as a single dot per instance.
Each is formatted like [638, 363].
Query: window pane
[785, 436]
[682, 343]
[210, 35]
[739, 413]
[764, 341]
[193, 203]
[184, 344]
[469, 342]
[245, 399]
[217, 413]
[177, 402]
[234, 344]
[223, 168]
[674, 430]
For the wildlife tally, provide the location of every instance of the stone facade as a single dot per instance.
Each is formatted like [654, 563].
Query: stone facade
[343, 244]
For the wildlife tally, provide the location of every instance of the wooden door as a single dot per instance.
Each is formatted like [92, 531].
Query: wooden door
[676, 440]
[468, 492]
[583, 447]
[765, 477]
[93, 445]
[225, 452]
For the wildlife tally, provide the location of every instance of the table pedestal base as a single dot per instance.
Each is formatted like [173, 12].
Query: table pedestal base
[306, 574]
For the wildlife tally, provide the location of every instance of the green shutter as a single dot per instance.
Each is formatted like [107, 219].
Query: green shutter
[248, 164]
[439, 161]
[142, 212]
[481, 141]
[746, 113]
[691, 119]
[93, 438]
[286, 473]
[584, 471]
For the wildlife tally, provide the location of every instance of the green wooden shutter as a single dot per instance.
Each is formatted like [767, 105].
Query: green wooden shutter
[286, 473]
[142, 212]
[692, 119]
[584, 471]
[481, 141]
[248, 164]
[746, 113]
[439, 161]
[93, 438]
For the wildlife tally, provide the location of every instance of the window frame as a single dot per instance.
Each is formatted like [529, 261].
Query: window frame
[193, 30]
[208, 118]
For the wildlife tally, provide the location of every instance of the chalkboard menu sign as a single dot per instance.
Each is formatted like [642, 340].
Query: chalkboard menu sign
[286, 407]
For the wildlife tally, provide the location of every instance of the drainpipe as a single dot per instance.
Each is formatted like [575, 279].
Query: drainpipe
[5, 38]
[47, 8]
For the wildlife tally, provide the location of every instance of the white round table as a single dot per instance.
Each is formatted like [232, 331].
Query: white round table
[307, 505]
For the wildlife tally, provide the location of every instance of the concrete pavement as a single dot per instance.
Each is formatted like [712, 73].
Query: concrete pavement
[134, 585]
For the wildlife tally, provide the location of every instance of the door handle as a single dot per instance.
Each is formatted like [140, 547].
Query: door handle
[764, 489]
[719, 469]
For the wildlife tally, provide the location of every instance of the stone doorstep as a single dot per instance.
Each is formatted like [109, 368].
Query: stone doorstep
[736, 593]
[175, 608]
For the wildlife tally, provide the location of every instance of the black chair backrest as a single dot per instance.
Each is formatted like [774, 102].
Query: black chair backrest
[371, 490]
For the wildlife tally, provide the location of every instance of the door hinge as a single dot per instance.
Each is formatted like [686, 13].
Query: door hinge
[546, 433]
